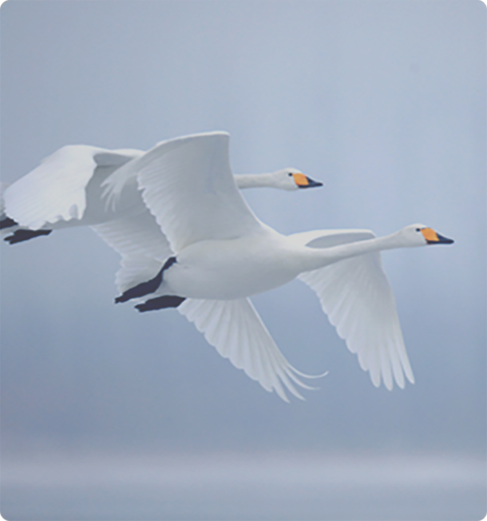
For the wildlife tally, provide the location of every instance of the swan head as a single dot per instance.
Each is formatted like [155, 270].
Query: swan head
[421, 235]
[293, 179]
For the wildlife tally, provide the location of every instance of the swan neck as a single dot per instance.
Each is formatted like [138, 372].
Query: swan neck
[253, 180]
[319, 258]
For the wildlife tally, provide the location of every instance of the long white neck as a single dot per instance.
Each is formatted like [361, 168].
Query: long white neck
[254, 180]
[314, 258]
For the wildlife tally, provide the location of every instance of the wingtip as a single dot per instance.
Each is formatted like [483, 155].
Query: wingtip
[212, 133]
[310, 376]
[281, 394]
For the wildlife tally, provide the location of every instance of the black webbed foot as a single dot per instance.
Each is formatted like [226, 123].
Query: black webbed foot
[25, 235]
[6, 222]
[145, 288]
[168, 301]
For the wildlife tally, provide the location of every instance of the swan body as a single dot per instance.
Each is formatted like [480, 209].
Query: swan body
[237, 268]
[219, 254]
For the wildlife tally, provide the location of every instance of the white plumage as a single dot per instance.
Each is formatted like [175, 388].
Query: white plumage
[81, 185]
[206, 253]
[224, 254]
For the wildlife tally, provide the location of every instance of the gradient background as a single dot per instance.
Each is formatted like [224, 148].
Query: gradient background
[112, 415]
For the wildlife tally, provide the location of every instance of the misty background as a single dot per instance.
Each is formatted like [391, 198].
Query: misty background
[384, 102]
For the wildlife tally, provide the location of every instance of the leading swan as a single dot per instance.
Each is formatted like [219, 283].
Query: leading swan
[219, 254]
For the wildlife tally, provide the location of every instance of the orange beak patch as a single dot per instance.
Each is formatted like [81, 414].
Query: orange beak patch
[300, 179]
[430, 235]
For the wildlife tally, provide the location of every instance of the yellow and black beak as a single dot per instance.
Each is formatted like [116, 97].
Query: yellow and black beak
[303, 181]
[434, 238]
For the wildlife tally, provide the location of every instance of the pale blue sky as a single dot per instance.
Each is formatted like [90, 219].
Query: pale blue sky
[383, 101]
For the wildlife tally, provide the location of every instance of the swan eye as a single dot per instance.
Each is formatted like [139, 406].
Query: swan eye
[289, 174]
[418, 229]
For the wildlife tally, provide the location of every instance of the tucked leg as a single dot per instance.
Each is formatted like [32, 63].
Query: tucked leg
[25, 235]
[146, 288]
[6, 222]
[168, 301]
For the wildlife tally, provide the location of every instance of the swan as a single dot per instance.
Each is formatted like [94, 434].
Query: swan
[218, 254]
[81, 185]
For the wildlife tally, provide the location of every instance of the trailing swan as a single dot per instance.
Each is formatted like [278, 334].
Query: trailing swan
[219, 254]
[81, 185]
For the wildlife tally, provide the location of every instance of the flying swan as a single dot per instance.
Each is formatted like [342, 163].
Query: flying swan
[214, 253]
[81, 185]
[218, 254]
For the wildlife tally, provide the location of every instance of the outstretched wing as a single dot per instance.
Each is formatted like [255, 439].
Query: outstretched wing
[55, 190]
[357, 297]
[140, 242]
[235, 329]
[188, 185]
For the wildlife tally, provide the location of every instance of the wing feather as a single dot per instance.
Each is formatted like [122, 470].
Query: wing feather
[188, 186]
[235, 329]
[140, 242]
[56, 189]
[356, 296]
